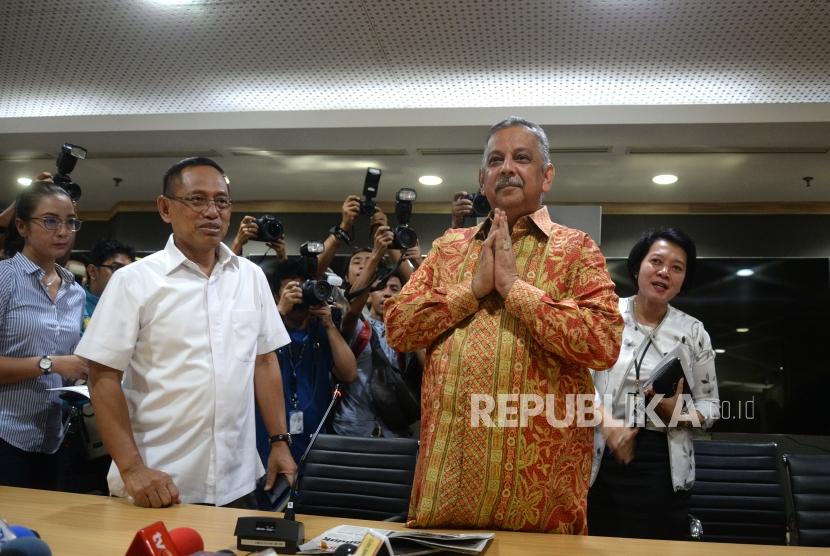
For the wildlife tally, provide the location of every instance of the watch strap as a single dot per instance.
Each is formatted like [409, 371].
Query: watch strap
[282, 437]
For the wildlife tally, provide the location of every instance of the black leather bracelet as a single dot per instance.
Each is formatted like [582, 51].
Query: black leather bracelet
[341, 234]
[283, 437]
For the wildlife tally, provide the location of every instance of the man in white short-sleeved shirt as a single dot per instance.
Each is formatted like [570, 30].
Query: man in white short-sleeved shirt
[192, 331]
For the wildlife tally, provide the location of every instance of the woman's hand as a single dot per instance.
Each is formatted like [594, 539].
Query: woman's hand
[621, 441]
[665, 407]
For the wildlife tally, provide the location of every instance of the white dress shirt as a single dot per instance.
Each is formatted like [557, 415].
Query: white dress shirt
[187, 344]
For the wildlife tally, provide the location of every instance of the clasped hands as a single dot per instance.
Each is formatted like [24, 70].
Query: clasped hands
[496, 268]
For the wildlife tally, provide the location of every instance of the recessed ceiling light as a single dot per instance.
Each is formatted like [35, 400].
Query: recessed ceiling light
[664, 179]
[174, 2]
[742, 330]
[720, 350]
[430, 180]
[744, 272]
[25, 182]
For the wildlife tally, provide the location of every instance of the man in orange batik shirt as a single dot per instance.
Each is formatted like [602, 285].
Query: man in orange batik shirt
[518, 306]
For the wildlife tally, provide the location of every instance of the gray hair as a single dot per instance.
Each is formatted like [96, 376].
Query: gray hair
[535, 129]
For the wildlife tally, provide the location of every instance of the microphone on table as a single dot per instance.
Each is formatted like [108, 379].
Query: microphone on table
[16, 540]
[156, 540]
[283, 535]
[25, 546]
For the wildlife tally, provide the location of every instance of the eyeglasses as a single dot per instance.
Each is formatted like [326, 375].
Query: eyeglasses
[200, 203]
[113, 267]
[52, 223]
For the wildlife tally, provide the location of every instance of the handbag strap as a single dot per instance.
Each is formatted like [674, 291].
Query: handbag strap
[362, 339]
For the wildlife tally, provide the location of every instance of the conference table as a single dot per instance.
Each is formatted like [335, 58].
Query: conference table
[84, 525]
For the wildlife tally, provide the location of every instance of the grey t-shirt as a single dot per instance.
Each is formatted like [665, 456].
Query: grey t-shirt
[354, 415]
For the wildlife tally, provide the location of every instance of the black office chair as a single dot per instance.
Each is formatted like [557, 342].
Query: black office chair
[809, 476]
[361, 478]
[738, 495]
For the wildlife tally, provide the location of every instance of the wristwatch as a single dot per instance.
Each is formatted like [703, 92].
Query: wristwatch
[283, 437]
[340, 234]
[45, 365]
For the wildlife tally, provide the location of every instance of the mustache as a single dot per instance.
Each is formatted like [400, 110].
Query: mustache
[509, 181]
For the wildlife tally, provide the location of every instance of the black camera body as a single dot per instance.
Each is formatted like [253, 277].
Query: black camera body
[481, 206]
[269, 228]
[405, 237]
[370, 191]
[67, 158]
[315, 292]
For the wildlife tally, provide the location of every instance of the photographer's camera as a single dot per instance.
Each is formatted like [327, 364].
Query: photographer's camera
[269, 228]
[67, 158]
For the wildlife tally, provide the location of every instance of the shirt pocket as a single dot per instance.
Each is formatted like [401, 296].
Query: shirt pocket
[244, 334]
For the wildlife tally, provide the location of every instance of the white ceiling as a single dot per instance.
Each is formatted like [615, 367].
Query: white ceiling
[142, 84]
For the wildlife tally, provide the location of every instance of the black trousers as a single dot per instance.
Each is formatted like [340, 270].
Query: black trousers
[637, 499]
[19, 468]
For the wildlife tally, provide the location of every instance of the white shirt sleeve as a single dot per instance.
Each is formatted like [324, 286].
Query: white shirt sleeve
[272, 333]
[111, 335]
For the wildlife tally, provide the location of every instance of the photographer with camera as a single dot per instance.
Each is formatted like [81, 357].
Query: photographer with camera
[370, 398]
[267, 229]
[317, 351]
[353, 207]
[467, 205]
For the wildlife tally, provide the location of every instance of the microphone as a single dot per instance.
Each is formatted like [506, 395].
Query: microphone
[283, 535]
[25, 546]
[16, 540]
[156, 540]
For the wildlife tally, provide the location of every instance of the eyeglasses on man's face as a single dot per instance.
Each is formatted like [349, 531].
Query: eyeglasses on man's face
[200, 203]
[113, 267]
[52, 223]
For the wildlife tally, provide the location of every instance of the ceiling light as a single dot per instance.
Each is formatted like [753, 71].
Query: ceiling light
[25, 182]
[720, 350]
[744, 272]
[742, 330]
[174, 2]
[664, 179]
[430, 180]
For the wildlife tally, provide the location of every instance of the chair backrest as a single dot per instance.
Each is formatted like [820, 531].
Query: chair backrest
[356, 477]
[738, 495]
[809, 476]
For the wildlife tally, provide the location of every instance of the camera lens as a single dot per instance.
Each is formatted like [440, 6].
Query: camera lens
[315, 292]
[481, 206]
[405, 237]
[269, 228]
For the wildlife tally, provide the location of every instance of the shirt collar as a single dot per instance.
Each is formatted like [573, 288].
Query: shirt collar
[540, 220]
[176, 258]
[23, 263]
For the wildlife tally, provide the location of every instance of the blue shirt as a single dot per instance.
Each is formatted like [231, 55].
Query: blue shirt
[32, 325]
[306, 364]
[89, 308]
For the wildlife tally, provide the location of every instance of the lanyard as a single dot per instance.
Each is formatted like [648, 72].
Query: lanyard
[294, 363]
[639, 364]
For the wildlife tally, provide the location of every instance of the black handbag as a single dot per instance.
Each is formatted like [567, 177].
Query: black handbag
[392, 399]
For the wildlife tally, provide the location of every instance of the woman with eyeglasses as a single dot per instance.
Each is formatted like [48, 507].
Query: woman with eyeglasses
[41, 307]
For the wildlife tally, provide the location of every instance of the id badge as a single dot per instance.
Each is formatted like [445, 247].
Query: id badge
[295, 422]
[635, 410]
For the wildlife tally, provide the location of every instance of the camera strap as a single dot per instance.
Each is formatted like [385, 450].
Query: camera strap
[376, 277]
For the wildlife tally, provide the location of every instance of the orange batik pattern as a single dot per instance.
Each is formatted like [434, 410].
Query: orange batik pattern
[560, 318]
